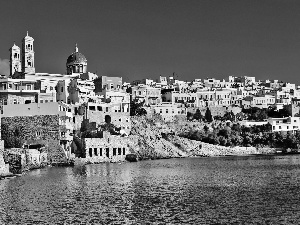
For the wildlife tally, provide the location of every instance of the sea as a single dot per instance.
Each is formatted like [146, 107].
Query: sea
[216, 190]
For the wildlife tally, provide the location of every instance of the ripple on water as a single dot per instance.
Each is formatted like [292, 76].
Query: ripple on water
[225, 190]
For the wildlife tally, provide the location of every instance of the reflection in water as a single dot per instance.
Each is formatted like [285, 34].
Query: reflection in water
[225, 190]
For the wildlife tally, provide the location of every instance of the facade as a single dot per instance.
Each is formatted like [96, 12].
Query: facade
[18, 91]
[107, 83]
[118, 114]
[150, 95]
[110, 148]
[168, 111]
[285, 124]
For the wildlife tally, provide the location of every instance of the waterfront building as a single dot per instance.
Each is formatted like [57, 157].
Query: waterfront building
[46, 121]
[109, 148]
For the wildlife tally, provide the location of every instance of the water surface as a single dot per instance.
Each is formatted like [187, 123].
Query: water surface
[224, 190]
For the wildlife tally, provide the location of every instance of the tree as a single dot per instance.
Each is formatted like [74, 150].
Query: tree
[229, 116]
[189, 116]
[208, 116]
[136, 109]
[197, 115]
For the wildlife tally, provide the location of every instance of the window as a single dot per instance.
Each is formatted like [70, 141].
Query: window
[95, 152]
[92, 108]
[15, 101]
[99, 108]
[279, 127]
[119, 151]
[160, 110]
[123, 151]
[41, 101]
[90, 152]
[167, 111]
[114, 151]
[107, 152]
[120, 119]
[287, 127]
[100, 152]
[62, 89]
[38, 133]
[28, 87]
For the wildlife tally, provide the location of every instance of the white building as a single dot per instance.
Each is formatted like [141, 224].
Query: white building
[285, 124]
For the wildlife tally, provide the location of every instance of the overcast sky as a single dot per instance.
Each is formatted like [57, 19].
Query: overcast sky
[144, 39]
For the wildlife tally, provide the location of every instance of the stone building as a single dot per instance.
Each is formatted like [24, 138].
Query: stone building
[110, 148]
[40, 121]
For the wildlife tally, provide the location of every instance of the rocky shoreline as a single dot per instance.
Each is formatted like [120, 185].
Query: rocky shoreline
[152, 139]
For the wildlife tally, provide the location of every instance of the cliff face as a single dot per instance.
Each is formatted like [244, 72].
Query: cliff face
[153, 139]
[148, 143]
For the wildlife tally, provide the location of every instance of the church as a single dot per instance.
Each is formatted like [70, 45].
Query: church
[74, 97]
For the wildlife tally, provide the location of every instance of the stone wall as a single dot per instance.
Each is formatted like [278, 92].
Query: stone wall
[42, 129]
[20, 159]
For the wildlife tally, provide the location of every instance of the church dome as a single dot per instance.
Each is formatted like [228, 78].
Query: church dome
[76, 62]
[77, 58]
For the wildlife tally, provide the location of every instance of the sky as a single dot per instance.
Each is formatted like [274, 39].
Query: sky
[139, 39]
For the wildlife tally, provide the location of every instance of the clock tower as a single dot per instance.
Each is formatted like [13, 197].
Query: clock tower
[27, 55]
[15, 59]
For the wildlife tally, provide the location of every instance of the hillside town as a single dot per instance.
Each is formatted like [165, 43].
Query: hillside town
[83, 116]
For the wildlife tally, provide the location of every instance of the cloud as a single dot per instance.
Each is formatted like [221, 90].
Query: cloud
[4, 66]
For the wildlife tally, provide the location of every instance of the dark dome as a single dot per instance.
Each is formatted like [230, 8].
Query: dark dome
[76, 57]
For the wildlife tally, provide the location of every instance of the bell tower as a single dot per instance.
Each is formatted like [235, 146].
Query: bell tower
[27, 55]
[15, 60]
